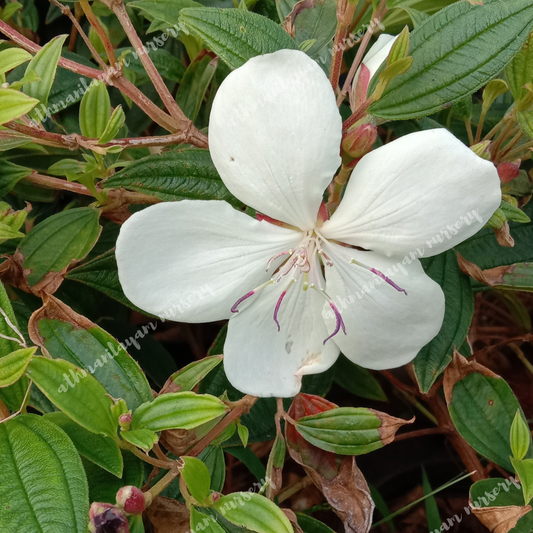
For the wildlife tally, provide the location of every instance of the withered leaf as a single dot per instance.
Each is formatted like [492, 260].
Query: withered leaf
[503, 236]
[458, 369]
[168, 516]
[500, 519]
[491, 277]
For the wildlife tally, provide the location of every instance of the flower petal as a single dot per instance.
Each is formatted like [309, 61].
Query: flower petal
[385, 328]
[378, 53]
[275, 134]
[263, 361]
[192, 260]
[424, 192]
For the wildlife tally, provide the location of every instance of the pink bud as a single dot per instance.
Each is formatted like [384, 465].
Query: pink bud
[215, 496]
[508, 172]
[106, 518]
[125, 420]
[131, 499]
[359, 141]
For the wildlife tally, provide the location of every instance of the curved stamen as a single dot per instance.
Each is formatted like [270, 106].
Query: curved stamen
[325, 256]
[338, 325]
[380, 275]
[248, 295]
[277, 256]
[278, 304]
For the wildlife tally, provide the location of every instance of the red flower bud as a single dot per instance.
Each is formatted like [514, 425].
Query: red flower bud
[131, 499]
[359, 141]
[106, 518]
[124, 421]
[508, 172]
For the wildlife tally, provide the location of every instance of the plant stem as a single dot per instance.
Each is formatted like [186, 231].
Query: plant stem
[242, 407]
[338, 185]
[421, 433]
[163, 483]
[522, 357]
[468, 124]
[295, 488]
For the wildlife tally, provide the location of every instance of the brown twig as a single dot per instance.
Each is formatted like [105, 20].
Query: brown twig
[422, 433]
[294, 489]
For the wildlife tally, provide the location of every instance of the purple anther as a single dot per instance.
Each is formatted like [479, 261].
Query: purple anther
[339, 324]
[388, 280]
[240, 300]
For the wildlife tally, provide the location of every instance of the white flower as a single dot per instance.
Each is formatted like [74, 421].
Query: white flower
[275, 134]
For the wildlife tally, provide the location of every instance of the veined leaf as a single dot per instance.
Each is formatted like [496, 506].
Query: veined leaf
[95, 110]
[236, 35]
[13, 365]
[14, 104]
[196, 477]
[189, 376]
[43, 486]
[11, 58]
[455, 53]
[11, 174]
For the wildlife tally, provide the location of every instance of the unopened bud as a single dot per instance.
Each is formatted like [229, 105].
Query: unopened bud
[125, 421]
[106, 518]
[482, 149]
[131, 499]
[359, 141]
[508, 172]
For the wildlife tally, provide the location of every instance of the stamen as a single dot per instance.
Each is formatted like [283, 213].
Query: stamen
[339, 324]
[277, 256]
[327, 260]
[247, 295]
[380, 275]
[278, 305]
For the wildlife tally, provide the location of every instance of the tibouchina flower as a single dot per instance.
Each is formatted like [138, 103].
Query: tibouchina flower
[298, 289]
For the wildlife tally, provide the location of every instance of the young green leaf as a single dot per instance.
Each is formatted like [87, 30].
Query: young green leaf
[43, 485]
[95, 110]
[235, 35]
[196, 477]
[142, 438]
[493, 89]
[520, 70]
[524, 469]
[205, 523]
[69, 236]
[189, 376]
[14, 104]
[455, 53]
[180, 410]
[520, 437]
[243, 434]
[76, 393]
[253, 512]
[99, 449]
[11, 58]
[44, 64]
[13, 365]
[116, 121]
[11, 174]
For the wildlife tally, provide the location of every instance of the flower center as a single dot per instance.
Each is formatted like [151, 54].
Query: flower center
[308, 260]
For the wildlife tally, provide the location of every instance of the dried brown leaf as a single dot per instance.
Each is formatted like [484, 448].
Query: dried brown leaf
[503, 236]
[289, 513]
[491, 277]
[458, 369]
[169, 516]
[500, 519]
[389, 426]
[288, 23]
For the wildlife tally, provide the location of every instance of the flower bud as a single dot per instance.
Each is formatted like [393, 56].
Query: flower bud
[359, 141]
[131, 499]
[125, 421]
[106, 518]
[508, 172]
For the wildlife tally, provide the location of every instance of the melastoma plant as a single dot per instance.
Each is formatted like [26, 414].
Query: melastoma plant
[243, 246]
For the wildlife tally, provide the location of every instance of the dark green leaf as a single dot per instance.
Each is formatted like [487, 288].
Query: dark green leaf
[10, 175]
[13, 365]
[357, 380]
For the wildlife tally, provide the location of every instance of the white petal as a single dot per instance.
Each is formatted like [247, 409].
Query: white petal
[191, 261]
[275, 134]
[385, 328]
[263, 361]
[423, 193]
[378, 53]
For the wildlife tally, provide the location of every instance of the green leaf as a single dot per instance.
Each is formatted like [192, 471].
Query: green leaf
[10, 9]
[357, 380]
[455, 53]
[196, 477]
[95, 110]
[179, 410]
[76, 393]
[483, 409]
[418, 17]
[312, 525]
[189, 376]
[11, 174]
[432, 511]
[520, 437]
[194, 85]
[167, 64]
[166, 11]
[437, 354]
[99, 449]
[13, 366]
[254, 512]
[345, 430]
[11, 58]
[249, 459]
[100, 354]
[116, 121]
[142, 438]
[44, 63]
[213, 458]
[524, 469]
[235, 35]
[101, 273]
[520, 70]
[243, 434]
[201, 522]
[14, 104]
[43, 486]
[58, 241]
[189, 174]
